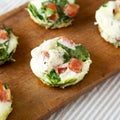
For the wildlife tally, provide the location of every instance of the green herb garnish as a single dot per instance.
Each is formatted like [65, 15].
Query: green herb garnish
[4, 56]
[9, 30]
[79, 53]
[53, 77]
[6, 86]
[104, 5]
[34, 11]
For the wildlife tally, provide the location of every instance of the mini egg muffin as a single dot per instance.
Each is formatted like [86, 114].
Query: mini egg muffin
[8, 44]
[5, 101]
[59, 62]
[108, 21]
[53, 13]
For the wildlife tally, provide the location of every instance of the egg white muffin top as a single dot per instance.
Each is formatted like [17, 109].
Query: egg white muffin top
[60, 62]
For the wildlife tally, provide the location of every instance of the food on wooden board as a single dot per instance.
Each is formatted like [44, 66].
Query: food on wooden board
[59, 62]
[108, 21]
[5, 101]
[8, 44]
[53, 13]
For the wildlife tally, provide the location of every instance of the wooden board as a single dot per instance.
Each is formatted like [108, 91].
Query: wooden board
[31, 99]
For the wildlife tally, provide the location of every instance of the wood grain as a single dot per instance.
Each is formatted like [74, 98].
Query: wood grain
[31, 99]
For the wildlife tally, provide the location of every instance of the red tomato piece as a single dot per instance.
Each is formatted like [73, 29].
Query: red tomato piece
[61, 70]
[1, 87]
[54, 16]
[5, 95]
[53, 7]
[4, 34]
[75, 65]
[71, 10]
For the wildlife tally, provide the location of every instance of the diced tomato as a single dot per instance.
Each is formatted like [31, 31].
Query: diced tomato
[5, 95]
[71, 10]
[1, 87]
[4, 34]
[53, 7]
[53, 17]
[45, 54]
[61, 69]
[75, 65]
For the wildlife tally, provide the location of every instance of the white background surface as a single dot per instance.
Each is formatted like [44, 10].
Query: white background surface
[101, 103]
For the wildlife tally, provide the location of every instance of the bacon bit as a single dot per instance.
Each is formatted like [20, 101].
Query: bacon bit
[4, 35]
[45, 54]
[118, 38]
[61, 70]
[75, 65]
[71, 10]
[67, 40]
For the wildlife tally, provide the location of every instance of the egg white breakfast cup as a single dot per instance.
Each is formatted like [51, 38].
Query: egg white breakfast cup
[108, 21]
[58, 62]
[53, 13]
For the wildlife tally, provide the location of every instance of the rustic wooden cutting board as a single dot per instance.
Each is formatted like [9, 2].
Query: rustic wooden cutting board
[31, 99]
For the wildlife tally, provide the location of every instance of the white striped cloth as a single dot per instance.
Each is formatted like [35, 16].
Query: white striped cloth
[101, 103]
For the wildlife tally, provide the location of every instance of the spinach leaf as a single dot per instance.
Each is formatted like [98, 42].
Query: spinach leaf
[104, 5]
[66, 57]
[3, 54]
[61, 4]
[53, 77]
[43, 13]
[79, 53]
[6, 86]
[9, 30]
[34, 11]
